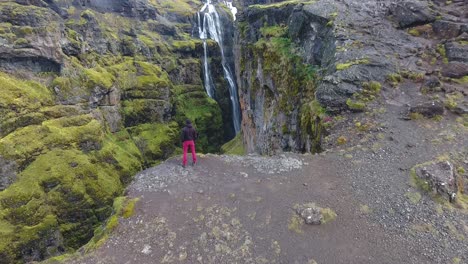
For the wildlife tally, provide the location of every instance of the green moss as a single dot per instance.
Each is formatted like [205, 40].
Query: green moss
[26, 143]
[152, 76]
[417, 182]
[295, 224]
[344, 66]
[394, 79]
[463, 80]
[22, 95]
[234, 147]
[311, 116]
[55, 188]
[273, 31]
[414, 197]
[416, 116]
[452, 100]
[294, 80]
[193, 103]
[98, 77]
[414, 32]
[441, 50]
[415, 76]
[122, 207]
[155, 141]
[355, 105]
[129, 210]
[328, 215]
[186, 45]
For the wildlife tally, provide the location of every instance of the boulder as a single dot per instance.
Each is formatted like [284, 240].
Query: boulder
[315, 215]
[310, 213]
[409, 14]
[446, 29]
[456, 52]
[440, 177]
[429, 109]
[432, 84]
[455, 70]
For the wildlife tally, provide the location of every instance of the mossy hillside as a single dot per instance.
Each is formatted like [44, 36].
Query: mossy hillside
[63, 191]
[234, 147]
[70, 186]
[193, 103]
[155, 141]
[22, 96]
[70, 132]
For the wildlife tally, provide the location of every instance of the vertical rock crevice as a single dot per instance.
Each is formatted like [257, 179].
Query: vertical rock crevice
[281, 53]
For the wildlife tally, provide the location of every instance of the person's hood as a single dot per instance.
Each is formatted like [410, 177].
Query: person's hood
[189, 125]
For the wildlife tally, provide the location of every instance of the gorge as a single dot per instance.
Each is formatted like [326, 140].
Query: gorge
[351, 104]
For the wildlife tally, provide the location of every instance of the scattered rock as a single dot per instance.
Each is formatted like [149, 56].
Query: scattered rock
[429, 109]
[440, 177]
[146, 250]
[314, 215]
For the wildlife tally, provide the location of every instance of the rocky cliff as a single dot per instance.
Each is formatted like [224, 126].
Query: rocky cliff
[299, 61]
[280, 49]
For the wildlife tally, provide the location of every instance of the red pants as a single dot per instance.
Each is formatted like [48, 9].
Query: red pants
[185, 147]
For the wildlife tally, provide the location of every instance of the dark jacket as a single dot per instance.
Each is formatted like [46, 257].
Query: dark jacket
[188, 133]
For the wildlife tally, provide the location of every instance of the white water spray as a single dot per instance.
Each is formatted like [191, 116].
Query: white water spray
[209, 26]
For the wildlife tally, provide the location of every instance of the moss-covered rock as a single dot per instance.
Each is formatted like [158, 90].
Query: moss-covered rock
[155, 141]
[193, 103]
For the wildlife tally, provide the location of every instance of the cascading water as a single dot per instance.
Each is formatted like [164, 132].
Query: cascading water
[209, 26]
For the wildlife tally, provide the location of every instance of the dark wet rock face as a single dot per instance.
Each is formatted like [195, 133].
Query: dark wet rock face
[446, 29]
[411, 13]
[7, 173]
[455, 70]
[457, 52]
[276, 99]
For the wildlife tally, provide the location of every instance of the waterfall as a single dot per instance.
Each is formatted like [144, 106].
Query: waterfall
[209, 26]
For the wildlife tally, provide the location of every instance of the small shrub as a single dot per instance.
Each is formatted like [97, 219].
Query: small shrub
[341, 140]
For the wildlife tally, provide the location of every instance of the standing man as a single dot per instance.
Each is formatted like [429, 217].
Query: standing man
[188, 137]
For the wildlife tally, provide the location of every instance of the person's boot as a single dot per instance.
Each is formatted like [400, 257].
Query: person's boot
[194, 163]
